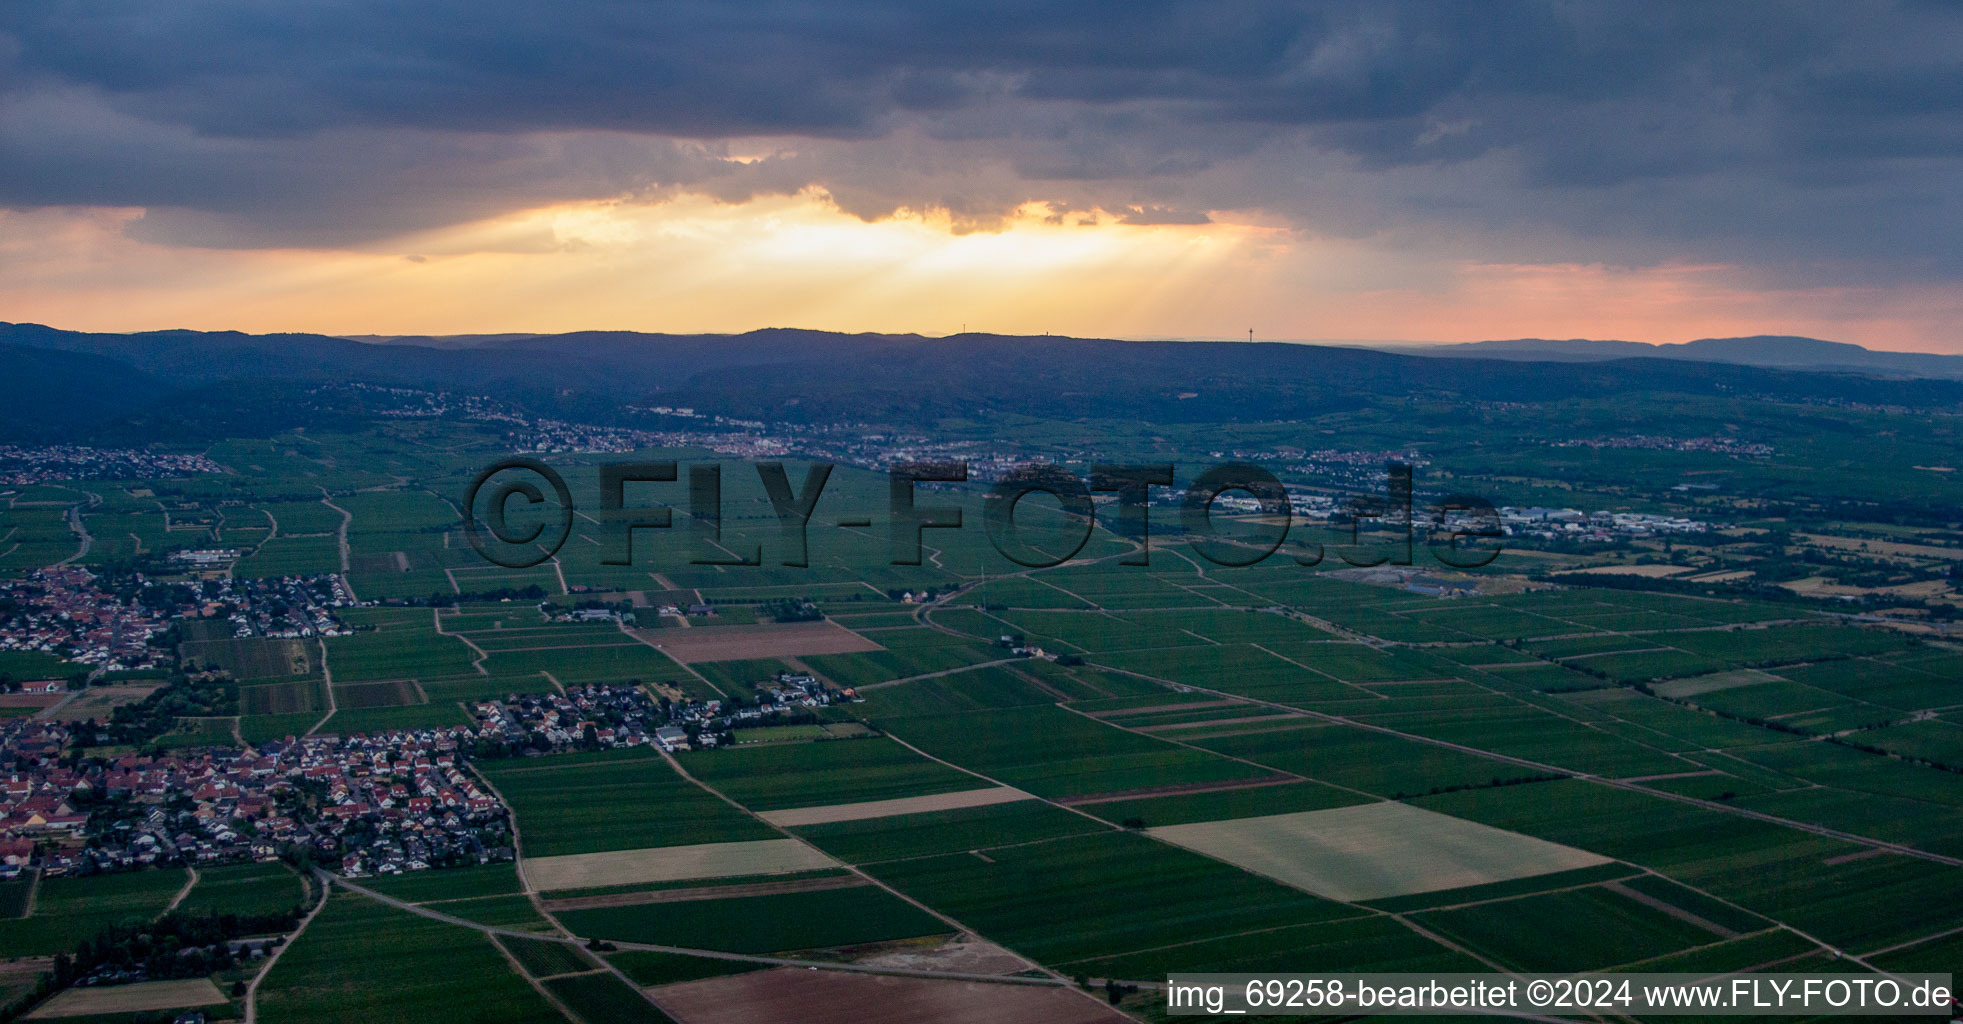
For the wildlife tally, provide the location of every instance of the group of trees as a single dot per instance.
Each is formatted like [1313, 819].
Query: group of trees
[791, 609]
[176, 945]
[440, 599]
[173, 946]
[200, 695]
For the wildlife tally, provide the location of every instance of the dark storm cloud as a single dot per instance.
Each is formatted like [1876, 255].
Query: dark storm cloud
[1639, 131]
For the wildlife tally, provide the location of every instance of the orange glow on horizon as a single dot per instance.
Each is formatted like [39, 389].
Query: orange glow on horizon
[693, 265]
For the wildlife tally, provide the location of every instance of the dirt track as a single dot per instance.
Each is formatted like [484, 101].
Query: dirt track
[1191, 787]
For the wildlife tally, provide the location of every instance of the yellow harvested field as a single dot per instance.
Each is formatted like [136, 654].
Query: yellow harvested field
[1820, 586]
[1371, 851]
[141, 997]
[673, 864]
[1646, 571]
[1728, 576]
[888, 808]
[1893, 548]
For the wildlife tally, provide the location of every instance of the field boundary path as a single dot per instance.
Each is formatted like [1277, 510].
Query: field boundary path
[944, 672]
[252, 988]
[922, 615]
[960, 928]
[436, 616]
[74, 516]
[189, 884]
[707, 954]
[327, 681]
[1772, 819]
[551, 998]
[1363, 911]
[341, 539]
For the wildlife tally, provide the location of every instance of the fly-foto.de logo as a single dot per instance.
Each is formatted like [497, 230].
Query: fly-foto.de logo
[519, 512]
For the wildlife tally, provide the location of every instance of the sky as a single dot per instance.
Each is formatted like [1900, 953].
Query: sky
[1381, 171]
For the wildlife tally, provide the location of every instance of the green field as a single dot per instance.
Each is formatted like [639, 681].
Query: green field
[448, 884]
[650, 968]
[1052, 752]
[1577, 930]
[403, 644]
[940, 832]
[619, 805]
[244, 889]
[1374, 762]
[69, 910]
[825, 772]
[604, 997]
[1102, 894]
[1251, 802]
[360, 960]
[762, 924]
[514, 912]
[543, 959]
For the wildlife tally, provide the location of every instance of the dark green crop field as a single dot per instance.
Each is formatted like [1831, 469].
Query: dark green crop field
[360, 960]
[623, 805]
[762, 924]
[938, 832]
[1101, 894]
[1052, 752]
[776, 776]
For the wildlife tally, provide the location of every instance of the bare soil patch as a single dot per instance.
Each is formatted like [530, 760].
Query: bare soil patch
[959, 956]
[673, 864]
[101, 701]
[1691, 686]
[763, 640]
[836, 997]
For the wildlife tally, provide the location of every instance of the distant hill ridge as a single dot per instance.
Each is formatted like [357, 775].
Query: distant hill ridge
[190, 384]
[1775, 350]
